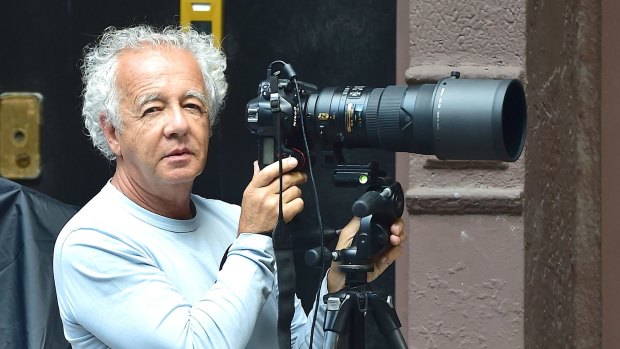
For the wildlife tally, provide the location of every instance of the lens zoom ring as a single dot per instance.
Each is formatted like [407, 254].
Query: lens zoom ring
[389, 134]
[372, 108]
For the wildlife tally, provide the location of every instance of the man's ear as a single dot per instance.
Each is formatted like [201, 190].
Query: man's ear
[110, 134]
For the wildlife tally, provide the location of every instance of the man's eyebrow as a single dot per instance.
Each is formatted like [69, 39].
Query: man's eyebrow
[142, 100]
[198, 95]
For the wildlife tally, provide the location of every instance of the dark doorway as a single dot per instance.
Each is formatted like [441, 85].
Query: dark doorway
[333, 43]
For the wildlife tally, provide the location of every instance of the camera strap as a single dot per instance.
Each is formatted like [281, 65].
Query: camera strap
[282, 244]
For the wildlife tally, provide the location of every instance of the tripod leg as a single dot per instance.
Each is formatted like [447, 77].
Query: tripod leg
[387, 321]
[344, 325]
[331, 333]
[337, 321]
[357, 331]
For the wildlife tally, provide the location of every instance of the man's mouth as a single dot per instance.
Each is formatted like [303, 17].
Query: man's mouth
[178, 153]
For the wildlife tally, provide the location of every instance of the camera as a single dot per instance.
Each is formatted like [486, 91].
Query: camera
[453, 119]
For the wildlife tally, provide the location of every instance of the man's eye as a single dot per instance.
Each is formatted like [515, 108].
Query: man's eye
[151, 111]
[194, 108]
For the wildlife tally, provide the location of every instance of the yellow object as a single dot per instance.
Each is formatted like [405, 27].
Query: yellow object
[20, 123]
[203, 16]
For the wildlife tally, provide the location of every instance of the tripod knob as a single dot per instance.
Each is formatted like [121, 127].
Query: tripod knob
[371, 202]
[366, 204]
[318, 255]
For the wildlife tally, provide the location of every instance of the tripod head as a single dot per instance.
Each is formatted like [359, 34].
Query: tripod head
[378, 208]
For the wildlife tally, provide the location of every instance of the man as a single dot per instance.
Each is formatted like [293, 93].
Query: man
[138, 266]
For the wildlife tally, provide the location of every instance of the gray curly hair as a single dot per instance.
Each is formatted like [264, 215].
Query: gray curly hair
[100, 67]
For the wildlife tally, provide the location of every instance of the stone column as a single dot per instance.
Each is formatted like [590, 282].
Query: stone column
[610, 176]
[465, 253]
[563, 179]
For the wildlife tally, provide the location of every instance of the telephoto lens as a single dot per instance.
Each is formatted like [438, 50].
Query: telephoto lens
[454, 119]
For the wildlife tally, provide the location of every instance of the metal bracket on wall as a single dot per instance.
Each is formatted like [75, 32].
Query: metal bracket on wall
[204, 16]
[20, 124]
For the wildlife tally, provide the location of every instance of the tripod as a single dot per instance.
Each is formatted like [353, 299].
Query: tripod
[347, 308]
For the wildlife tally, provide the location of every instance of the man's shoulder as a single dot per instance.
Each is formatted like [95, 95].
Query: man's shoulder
[97, 210]
[100, 214]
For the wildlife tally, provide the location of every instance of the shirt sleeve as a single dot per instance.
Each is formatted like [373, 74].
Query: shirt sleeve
[123, 298]
[301, 327]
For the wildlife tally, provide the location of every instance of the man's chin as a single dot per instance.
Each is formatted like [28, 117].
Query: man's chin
[180, 173]
[181, 177]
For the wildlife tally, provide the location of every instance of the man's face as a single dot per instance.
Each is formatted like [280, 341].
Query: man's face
[166, 128]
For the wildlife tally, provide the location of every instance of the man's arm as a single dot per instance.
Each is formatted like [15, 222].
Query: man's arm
[124, 299]
[302, 325]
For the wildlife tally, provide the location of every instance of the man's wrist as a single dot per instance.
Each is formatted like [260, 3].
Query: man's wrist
[268, 233]
[335, 278]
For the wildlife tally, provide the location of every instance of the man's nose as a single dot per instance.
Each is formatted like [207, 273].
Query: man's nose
[176, 122]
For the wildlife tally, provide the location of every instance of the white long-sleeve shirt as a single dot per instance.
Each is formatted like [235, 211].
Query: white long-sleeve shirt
[128, 278]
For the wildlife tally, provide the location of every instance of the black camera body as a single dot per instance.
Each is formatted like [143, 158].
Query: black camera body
[276, 113]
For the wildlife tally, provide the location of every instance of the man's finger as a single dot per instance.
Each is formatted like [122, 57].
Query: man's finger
[348, 232]
[291, 194]
[292, 208]
[398, 227]
[391, 255]
[272, 171]
[395, 240]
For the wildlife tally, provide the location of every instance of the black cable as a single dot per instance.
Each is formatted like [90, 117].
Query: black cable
[278, 146]
[318, 213]
[283, 243]
[280, 171]
[313, 185]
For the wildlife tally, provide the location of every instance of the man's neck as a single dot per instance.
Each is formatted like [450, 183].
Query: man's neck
[172, 201]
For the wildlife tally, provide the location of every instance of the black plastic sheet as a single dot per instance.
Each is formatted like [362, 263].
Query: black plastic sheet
[29, 224]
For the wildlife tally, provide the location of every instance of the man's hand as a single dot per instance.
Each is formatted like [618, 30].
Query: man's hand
[260, 204]
[336, 278]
